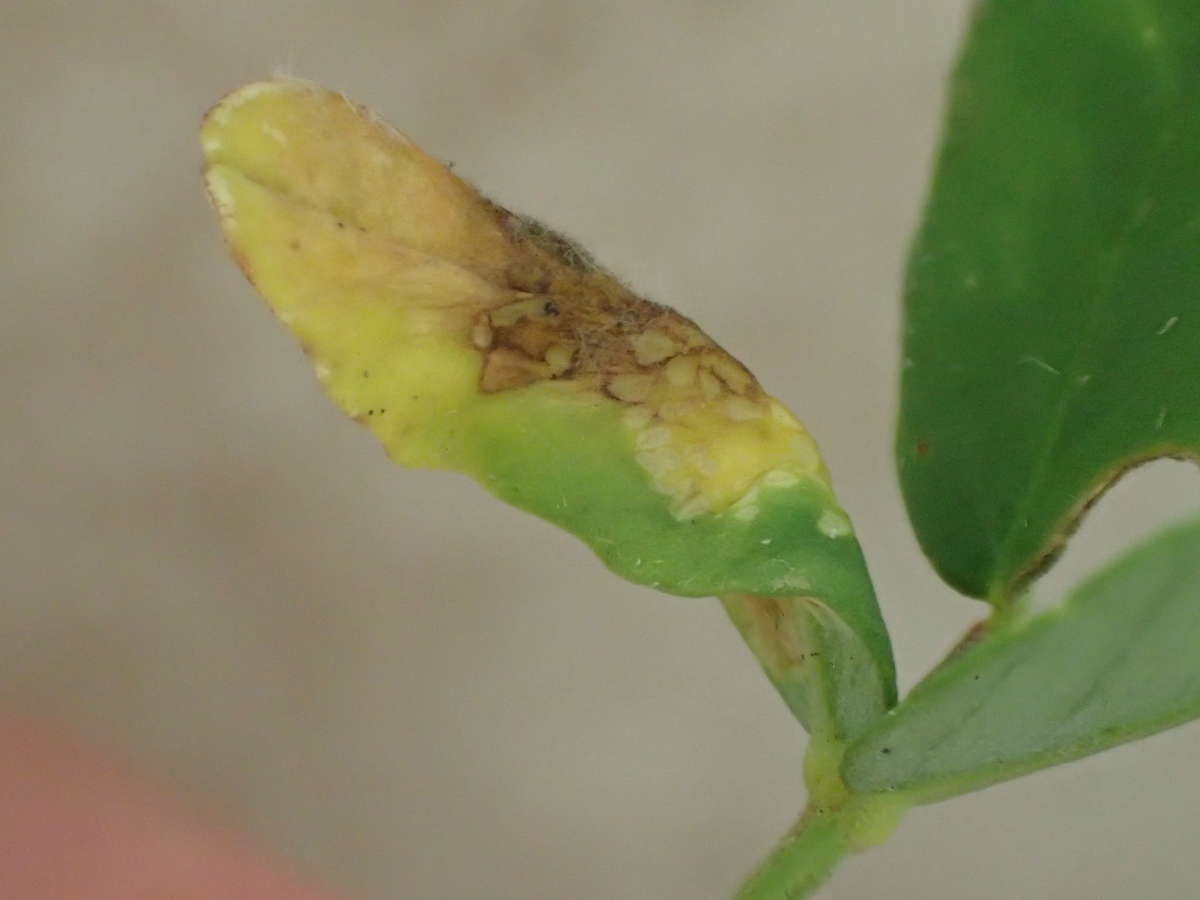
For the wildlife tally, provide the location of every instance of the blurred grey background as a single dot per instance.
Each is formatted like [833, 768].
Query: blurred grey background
[413, 690]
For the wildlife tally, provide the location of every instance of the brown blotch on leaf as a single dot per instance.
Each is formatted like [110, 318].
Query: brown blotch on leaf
[504, 369]
[567, 318]
[786, 647]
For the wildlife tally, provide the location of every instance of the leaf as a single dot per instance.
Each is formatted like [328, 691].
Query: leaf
[1116, 662]
[815, 663]
[1052, 309]
[471, 338]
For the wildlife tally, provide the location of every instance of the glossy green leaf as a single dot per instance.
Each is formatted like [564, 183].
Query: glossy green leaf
[1118, 661]
[1052, 335]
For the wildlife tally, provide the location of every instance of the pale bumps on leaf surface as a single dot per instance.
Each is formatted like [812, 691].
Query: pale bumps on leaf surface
[419, 298]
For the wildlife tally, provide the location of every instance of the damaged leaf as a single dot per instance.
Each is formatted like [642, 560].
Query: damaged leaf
[471, 338]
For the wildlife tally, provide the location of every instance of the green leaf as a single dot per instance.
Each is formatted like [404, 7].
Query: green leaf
[1052, 334]
[1118, 661]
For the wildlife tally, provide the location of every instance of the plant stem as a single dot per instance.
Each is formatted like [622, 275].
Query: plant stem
[814, 846]
[802, 861]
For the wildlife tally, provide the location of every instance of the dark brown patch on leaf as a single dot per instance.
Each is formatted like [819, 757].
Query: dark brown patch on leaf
[568, 318]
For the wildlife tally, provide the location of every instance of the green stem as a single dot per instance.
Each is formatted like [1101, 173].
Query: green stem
[814, 846]
[802, 862]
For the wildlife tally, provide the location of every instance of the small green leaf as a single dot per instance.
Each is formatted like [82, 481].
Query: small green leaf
[1053, 294]
[1118, 661]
